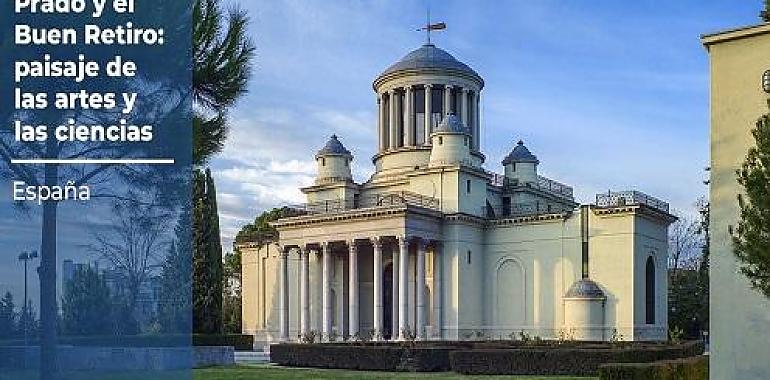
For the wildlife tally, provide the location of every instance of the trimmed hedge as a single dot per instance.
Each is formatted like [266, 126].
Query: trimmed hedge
[693, 368]
[362, 357]
[492, 357]
[562, 361]
[241, 342]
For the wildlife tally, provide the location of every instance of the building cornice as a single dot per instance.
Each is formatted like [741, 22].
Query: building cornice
[530, 219]
[734, 34]
[638, 209]
[354, 215]
[331, 185]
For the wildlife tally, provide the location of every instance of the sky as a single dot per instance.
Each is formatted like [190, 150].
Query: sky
[609, 95]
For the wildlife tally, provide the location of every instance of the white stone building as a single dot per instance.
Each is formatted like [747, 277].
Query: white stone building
[435, 245]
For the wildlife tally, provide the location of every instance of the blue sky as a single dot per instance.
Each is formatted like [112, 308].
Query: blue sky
[608, 94]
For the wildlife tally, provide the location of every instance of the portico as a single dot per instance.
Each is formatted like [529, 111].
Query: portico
[380, 238]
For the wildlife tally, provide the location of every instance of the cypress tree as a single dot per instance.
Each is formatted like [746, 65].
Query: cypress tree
[207, 256]
[751, 238]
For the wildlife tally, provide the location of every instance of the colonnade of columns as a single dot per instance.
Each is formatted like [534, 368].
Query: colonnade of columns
[398, 109]
[401, 304]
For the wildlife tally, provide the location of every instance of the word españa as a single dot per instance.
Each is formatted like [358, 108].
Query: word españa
[23, 192]
[73, 6]
[92, 35]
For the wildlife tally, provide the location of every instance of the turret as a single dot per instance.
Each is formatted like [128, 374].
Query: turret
[333, 162]
[521, 165]
[450, 142]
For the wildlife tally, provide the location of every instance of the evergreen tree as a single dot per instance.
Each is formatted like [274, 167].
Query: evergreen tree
[232, 296]
[7, 316]
[207, 256]
[175, 294]
[222, 55]
[765, 14]
[751, 238]
[86, 304]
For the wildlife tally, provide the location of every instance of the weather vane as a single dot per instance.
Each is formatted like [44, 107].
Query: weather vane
[431, 27]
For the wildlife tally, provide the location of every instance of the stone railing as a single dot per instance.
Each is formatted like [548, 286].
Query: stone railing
[544, 184]
[632, 197]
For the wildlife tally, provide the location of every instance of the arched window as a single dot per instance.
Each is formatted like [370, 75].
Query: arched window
[650, 291]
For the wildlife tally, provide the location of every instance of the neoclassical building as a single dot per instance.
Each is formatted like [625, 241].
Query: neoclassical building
[436, 246]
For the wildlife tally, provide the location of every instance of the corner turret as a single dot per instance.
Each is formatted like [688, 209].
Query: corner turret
[450, 142]
[333, 162]
[521, 165]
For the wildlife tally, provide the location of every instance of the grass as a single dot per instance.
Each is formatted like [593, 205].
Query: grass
[259, 372]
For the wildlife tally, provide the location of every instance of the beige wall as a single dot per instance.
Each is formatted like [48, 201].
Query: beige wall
[740, 317]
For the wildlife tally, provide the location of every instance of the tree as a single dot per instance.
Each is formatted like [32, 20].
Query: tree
[207, 256]
[751, 238]
[222, 55]
[765, 14]
[232, 296]
[7, 316]
[86, 304]
[688, 273]
[131, 244]
[175, 305]
[260, 231]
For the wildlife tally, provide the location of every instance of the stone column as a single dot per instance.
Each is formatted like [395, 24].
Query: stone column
[326, 290]
[284, 295]
[428, 112]
[394, 318]
[447, 100]
[403, 287]
[304, 289]
[393, 119]
[437, 292]
[464, 109]
[409, 116]
[378, 309]
[381, 127]
[419, 283]
[477, 122]
[353, 289]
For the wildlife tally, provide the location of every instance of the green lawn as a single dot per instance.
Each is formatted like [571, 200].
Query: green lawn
[271, 372]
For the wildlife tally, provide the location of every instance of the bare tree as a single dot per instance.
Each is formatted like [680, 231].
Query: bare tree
[684, 242]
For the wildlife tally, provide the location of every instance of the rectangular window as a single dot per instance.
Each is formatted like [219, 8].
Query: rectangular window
[469, 257]
[468, 186]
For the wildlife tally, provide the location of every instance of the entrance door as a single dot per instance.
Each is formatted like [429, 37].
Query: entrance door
[387, 302]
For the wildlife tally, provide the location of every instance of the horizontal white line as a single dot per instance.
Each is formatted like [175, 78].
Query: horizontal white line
[164, 161]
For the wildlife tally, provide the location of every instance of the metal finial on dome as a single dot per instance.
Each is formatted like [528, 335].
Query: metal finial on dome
[333, 147]
[520, 154]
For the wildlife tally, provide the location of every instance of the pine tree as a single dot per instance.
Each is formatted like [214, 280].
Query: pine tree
[207, 256]
[765, 14]
[222, 55]
[751, 238]
[175, 307]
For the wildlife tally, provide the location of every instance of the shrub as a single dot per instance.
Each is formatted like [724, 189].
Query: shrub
[580, 360]
[241, 342]
[692, 368]
[370, 357]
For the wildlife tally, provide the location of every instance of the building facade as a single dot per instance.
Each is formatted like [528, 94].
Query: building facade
[434, 246]
[740, 90]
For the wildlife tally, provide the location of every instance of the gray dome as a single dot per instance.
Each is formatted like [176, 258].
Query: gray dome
[520, 154]
[428, 56]
[451, 123]
[585, 288]
[333, 147]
